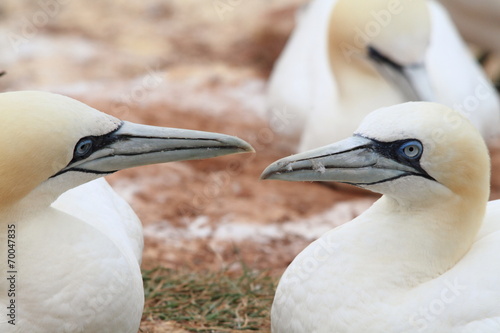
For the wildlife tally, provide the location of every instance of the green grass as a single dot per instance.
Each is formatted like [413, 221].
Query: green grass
[210, 302]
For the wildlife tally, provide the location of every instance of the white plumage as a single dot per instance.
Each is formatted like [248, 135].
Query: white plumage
[424, 257]
[77, 254]
[328, 77]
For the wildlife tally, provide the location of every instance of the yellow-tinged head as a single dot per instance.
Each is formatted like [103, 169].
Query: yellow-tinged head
[53, 143]
[453, 152]
[398, 29]
[417, 153]
[38, 132]
[382, 38]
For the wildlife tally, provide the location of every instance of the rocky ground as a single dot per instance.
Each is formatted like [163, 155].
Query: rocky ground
[191, 64]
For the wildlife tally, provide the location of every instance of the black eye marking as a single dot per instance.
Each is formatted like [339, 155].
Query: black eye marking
[88, 145]
[377, 56]
[407, 152]
[84, 148]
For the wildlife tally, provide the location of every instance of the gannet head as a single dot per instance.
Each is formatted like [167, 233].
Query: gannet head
[391, 37]
[51, 143]
[412, 152]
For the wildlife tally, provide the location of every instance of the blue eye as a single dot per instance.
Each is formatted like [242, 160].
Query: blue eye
[411, 149]
[83, 147]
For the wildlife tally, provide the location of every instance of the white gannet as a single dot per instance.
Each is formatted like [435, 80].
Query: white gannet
[301, 78]
[75, 263]
[424, 257]
[478, 21]
[348, 57]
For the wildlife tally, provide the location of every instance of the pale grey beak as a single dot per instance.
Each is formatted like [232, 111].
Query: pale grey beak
[415, 84]
[134, 145]
[357, 160]
[412, 80]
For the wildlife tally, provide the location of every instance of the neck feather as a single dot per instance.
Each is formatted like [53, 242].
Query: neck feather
[416, 244]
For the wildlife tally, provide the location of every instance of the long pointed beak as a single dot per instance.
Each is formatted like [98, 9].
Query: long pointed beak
[415, 83]
[412, 80]
[356, 160]
[134, 145]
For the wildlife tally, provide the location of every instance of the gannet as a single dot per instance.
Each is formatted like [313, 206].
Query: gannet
[424, 257]
[348, 57]
[75, 264]
[478, 21]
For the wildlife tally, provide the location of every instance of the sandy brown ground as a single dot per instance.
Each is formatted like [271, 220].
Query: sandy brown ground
[184, 63]
[179, 64]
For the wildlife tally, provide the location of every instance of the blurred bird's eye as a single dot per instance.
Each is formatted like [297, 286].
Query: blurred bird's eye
[411, 149]
[83, 147]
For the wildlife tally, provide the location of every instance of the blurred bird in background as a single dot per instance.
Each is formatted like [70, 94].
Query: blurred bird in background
[478, 21]
[348, 57]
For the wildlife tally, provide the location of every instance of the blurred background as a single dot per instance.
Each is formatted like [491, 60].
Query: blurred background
[190, 64]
